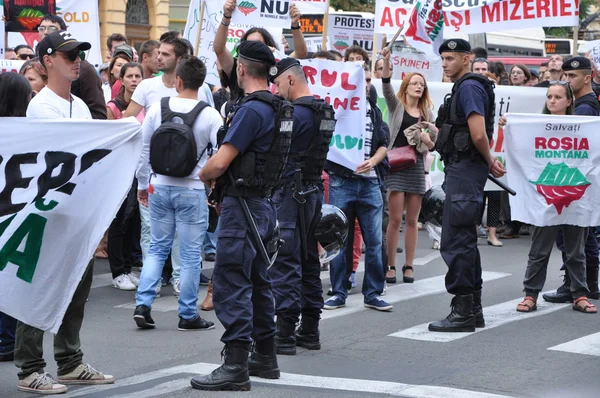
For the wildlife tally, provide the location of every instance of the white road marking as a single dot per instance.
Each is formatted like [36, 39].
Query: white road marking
[403, 292]
[427, 259]
[587, 345]
[287, 379]
[495, 316]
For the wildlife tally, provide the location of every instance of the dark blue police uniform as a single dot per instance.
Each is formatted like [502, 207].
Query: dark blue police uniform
[466, 173]
[241, 286]
[297, 285]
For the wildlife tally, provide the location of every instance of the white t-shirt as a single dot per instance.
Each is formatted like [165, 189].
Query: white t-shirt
[150, 91]
[205, 131]
[49, 105]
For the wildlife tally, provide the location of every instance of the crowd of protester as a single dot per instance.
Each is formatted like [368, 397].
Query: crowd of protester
[130, 82]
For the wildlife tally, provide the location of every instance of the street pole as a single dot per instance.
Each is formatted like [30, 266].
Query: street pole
[574, 50]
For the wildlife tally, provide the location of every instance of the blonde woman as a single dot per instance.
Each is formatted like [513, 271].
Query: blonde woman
[408, 107]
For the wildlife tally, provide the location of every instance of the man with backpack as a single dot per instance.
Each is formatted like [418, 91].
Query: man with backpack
[178, 136]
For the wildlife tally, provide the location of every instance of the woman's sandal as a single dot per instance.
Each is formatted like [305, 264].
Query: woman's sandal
[407, 279]
[589, 308]
[393, 278]
[524, 307]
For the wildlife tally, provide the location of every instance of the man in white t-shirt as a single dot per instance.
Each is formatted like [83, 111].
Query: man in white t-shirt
[60, 54]
[177, 203]
[150, 91]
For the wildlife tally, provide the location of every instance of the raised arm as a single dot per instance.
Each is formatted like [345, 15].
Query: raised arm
[223, 55]
[391, 99]
[300, 49]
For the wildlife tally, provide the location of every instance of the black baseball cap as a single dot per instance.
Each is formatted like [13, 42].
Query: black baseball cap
[123, 49]
[61, 41]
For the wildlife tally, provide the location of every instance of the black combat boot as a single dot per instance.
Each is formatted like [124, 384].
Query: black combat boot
[232, 375]
[285, 338]
[592, 282]
[563, 293]
[263, 360]
[308, 333]
[461, 317]
[478, 309]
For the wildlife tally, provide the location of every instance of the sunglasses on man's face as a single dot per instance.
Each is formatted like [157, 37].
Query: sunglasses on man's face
[72, 55]
[25, 57]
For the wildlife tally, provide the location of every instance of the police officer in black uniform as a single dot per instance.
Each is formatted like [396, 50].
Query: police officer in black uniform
[253, 151]
[466, 122]
[296, 274]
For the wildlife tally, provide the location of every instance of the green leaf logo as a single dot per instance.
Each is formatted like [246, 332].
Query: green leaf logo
[246, 7]
[561, 185]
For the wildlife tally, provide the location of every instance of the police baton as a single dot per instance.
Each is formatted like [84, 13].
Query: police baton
[501, 185]
[253, 228]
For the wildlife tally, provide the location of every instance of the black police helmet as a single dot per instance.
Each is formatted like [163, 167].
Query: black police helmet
[331, 232]
[432, 211]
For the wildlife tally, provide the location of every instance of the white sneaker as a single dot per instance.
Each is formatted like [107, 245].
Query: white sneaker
[85, 374]
[41, 384]
[176, 284]
[384, 288]
[122, 282]
[134, 279]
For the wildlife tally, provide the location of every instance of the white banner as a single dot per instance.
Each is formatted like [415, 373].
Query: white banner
[508, 98]
[311, 6]
[315, 44]
[553, 166]
[341, 84]
[425, 29]
[60, 191]
[407, 62]
[271, 13]
[81, 17]
[212, 18]
[7, 65]
[344, 31]
[494, 17]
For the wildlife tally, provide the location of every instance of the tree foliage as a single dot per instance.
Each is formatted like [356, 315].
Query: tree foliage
[585, 10]
[353, 5]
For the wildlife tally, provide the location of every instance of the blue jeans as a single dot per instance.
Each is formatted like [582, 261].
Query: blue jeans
[359, 197]
[185, 210]
[210, 241]
[145, 242]
[8, 328]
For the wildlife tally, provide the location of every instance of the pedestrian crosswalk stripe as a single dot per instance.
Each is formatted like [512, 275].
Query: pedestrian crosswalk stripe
[123, 388]
[588, 345]
[495, 316]
[403, 292]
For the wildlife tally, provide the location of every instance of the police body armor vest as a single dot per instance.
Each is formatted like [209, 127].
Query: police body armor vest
[454, 139]
[312, 160]
[256, 174]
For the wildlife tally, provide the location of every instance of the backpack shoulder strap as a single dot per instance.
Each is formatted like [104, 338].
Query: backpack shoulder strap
[190, 117]
[165, 111]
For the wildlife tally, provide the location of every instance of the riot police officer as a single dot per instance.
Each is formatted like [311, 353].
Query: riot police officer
[466, 122]
[252, 153]
[297, 285]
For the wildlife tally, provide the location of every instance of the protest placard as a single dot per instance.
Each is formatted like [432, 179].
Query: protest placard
[552, 164]
[344, 31]
[311, 6]
[10, 65]
[315, 44]
[81, 17]
[407, 62]
[60, 191]
[593, 48]
[271, 13]
[341, 84]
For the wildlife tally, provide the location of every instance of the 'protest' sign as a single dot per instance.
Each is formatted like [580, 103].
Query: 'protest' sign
[60, 191]
[345, 31]
[553, 165]
[341, 84]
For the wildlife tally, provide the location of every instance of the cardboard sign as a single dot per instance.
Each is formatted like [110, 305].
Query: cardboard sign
[271, 13]
[345, 31]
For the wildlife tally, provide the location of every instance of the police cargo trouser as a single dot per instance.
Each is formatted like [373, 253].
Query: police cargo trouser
[242, 293]
[297, 285]
[464, 184]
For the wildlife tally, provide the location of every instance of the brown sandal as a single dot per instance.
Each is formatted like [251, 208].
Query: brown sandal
[526, 307]
[589, 306]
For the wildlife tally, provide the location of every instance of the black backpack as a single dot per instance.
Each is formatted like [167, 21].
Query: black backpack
[173, 150]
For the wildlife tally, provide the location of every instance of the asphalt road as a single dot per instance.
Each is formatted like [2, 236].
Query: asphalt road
[551, 353]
